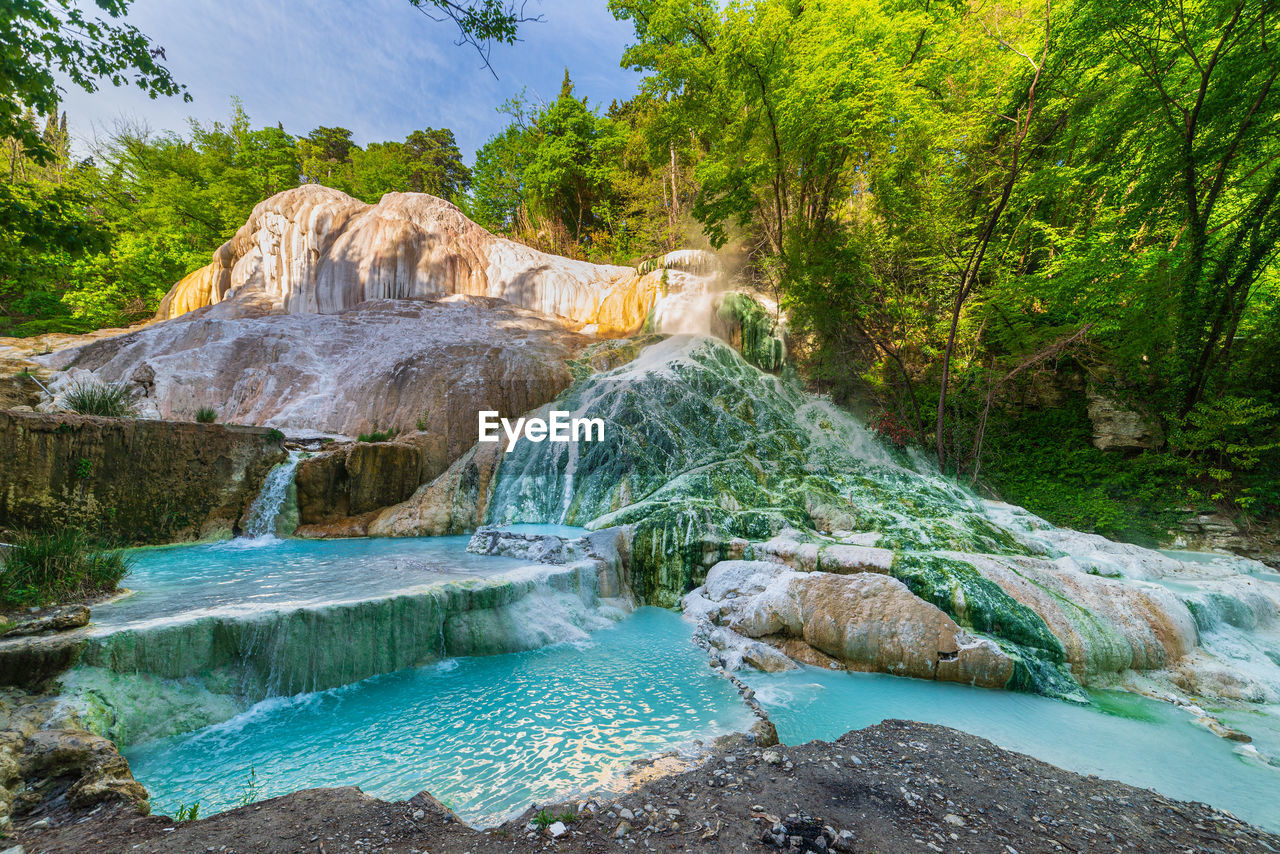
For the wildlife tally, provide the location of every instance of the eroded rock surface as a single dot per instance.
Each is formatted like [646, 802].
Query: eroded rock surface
[48, 762]
[134, 480]
[338, 489]
[866, 621]
[388, 365]
[56, 620]
[313, 250]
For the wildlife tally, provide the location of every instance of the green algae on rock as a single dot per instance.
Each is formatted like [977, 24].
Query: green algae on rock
[702, 447]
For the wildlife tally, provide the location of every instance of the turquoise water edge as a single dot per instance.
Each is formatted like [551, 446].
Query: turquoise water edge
[490, 735]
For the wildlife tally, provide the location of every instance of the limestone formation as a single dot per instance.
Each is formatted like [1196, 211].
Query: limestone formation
[454, 503]
[1105, 625]
[313, 250]
[865, 621]
[45, 757]
[1118, 426]
[357, 479]
[57, 620]
[390, 365]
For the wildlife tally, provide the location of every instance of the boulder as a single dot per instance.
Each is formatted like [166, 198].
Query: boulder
[97, 771]
[1120, 427]
[359, 478]
[58, 620]
[453, 503]
[864, 621]
[1105, 625]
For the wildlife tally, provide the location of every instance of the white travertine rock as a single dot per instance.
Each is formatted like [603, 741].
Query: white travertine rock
[389, 365]
[314, 250]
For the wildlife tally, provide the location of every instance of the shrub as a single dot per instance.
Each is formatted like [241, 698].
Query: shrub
[93, 398]
[51, 566]
[206, 415]
[1222, 444]
[377, 436]
[274, 435]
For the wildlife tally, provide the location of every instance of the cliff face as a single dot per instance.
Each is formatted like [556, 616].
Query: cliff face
[138, 481]
[355, 480]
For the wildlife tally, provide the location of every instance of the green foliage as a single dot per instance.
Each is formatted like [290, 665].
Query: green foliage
[428, 161]
[187, 813]
[252, 791]
[551, 179]
[1045, 460]
[275, 436]
[58, 566]
[1223, 444]
[206, 415]
[84, 468]
[543, 819]
[89, 397]
[377, 436]
[44, 39]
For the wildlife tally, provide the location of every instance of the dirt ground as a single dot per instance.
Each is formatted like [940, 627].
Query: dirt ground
[897, 787]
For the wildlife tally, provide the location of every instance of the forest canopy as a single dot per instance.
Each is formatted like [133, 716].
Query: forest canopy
[981, 219]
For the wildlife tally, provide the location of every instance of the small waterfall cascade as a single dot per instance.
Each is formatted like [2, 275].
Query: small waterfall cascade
[265, 511]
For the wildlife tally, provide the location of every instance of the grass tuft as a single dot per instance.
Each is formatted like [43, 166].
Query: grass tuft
[377, 436]
[57, 566]
[206, 415]
[93, 398]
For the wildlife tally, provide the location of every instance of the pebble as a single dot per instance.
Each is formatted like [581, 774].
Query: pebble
[622, 830]
[626, 814]
[771, 757]
[557, 829]
[419, 815]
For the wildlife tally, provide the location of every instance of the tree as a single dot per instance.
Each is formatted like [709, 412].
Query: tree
[1186, 95]
[41, 37]
[551, 177]
[480, 23]
[323, 152]
[436, 165]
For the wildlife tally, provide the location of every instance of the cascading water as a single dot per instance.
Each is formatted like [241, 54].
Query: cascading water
[697, 299]
[267, 508]
[704, 450]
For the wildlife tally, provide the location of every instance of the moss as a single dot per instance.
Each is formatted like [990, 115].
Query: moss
[759, 338]
[1045, 460]
[980, 605]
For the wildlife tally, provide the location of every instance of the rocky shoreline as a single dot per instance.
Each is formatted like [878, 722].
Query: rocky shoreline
[896, 787]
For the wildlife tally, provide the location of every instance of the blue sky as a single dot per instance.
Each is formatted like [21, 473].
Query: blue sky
[378, 67]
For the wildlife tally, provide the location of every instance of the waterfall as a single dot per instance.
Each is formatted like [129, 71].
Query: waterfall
[265, 512]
